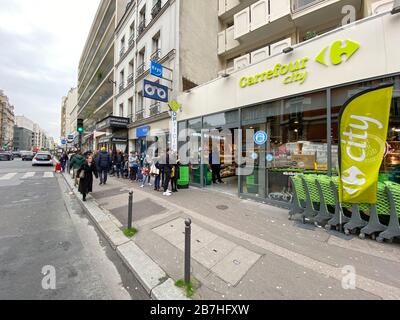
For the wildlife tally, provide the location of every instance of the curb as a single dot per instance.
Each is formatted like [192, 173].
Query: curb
[154, 280]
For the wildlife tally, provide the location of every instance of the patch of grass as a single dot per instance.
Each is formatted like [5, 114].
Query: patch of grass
[189, 288]
[130, 233]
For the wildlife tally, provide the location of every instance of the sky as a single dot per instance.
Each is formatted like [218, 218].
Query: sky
[41, 43]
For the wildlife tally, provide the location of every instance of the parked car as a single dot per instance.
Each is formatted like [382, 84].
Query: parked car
[27, 155]
[6, 156]
[16, 154]
[42, 159]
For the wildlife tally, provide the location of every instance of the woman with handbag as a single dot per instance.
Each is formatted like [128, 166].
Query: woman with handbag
[85, 174]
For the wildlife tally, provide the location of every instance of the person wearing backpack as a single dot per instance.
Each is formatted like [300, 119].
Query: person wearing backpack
[77, 161]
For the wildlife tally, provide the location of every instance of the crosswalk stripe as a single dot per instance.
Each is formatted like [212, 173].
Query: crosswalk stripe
[28, 175]
[8, 176]
[48, 175]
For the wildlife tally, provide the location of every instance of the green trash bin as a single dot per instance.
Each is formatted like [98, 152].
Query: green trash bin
[183, 182]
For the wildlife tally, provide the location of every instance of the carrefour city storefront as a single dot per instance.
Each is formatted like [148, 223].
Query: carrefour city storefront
[294, 101]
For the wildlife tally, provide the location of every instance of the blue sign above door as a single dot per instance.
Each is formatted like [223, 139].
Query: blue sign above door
[156, 69]
[142, 132]
[155, 91]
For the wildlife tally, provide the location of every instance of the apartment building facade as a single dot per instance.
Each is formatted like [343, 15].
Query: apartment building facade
[286, 68]
[6, 122]
[25, 127]
[69, 114]
[170, 33]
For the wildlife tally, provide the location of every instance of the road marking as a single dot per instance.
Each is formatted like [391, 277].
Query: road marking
[28, 175]
[8, 176]
[48, 175]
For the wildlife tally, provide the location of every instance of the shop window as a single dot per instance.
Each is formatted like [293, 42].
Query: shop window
[296, 142]
[390, 169]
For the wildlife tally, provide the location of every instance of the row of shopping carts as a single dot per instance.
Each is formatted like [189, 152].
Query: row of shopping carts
[316, 200]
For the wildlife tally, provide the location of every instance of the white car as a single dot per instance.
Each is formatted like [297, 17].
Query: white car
[42, 159]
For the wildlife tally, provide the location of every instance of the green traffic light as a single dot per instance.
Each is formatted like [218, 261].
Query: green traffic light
[80, 130]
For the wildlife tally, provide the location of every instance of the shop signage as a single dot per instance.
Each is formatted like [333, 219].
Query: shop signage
[112, 122]
[174, 131]
[296, 71]
[155, 91]
[142, 132]
[270, 157]
[174, 106]
[363, 133]
[156, 69]
[260, 137]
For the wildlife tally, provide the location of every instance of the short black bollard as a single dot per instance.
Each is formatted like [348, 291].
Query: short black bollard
[130, 209]
[188, 231]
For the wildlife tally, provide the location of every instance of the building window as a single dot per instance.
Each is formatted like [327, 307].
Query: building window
[142, 20]
[156, 44]
[121, 80]
[121, 110]
[122, 47]
[131, 34]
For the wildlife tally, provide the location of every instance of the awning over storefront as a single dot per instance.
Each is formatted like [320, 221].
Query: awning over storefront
[112, 122]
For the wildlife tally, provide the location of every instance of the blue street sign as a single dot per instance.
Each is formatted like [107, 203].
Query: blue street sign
[254, 156]
[260, 137]
[155, 91]
[156, 69]
[63, 142]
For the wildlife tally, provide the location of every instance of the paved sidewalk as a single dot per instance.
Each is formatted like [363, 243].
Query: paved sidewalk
[246, 250]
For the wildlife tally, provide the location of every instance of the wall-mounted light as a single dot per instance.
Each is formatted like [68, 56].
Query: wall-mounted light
[396, 7]
[288, 50]
[225, 75]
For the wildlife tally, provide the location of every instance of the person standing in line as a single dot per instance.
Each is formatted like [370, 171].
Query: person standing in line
[146, 174]
[104, 165]
[167, 168]
[176, 175]
[155, 172]
[119, 164]
[85, 174]
[76, 163]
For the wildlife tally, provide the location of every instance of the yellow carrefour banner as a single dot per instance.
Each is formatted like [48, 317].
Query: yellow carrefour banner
[363, 131]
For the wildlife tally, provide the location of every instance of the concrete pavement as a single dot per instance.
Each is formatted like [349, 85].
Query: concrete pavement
[250, 250]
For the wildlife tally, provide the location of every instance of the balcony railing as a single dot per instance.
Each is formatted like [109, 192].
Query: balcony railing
[104, 98]
[155, 109]
[131, 41]
[141, 27]
[139, 114]
[156, 55]
[140, 70]
[130, 79]
[121, 87]
[298, 5]
[156, 9]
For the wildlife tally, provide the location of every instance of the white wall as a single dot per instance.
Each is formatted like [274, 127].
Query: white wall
[378, 55]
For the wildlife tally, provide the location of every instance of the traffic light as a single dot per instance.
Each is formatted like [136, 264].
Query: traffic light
[79, 126]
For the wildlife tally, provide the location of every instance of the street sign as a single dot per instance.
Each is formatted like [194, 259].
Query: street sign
[156, 69]
[63, 142]
[155, 91]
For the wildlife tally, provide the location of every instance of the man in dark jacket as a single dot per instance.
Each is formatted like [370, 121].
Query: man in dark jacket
[76, 162]
[104, 165]
[119, 163]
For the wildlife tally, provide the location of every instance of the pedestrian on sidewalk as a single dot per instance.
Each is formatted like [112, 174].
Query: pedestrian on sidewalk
[133, 166]
[119, 164]
[85, 174]
[104, 165]
[166, 168]
[175, 174]
[146, 172]
[215, 162]
[63, 161]
[76, 163]
[155, 172]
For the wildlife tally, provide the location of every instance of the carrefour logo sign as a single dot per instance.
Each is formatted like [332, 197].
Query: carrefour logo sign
[296, 71]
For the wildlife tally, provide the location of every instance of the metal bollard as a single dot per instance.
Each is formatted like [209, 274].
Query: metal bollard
[188, 231]
[130, 209]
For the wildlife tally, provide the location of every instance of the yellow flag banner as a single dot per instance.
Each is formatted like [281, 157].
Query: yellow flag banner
[364, 122]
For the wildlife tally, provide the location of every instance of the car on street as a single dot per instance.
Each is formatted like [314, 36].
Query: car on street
[27, 155]
[16, 154]
[6, 156]
[42, 159]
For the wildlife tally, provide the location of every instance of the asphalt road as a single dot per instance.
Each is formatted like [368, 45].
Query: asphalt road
[44, 229]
